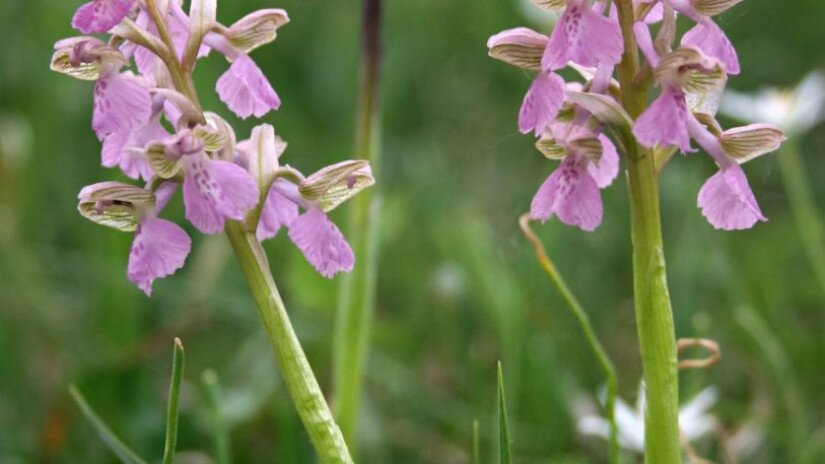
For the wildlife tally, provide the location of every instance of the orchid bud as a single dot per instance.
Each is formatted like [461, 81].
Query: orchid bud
[165, 155]
[695, 71]
[115, 205]
[746, 143]
[548, 147]
[83, 57]
[256, 29]
[216, 134]
[520, 47]
[336, 184]
[713, 7]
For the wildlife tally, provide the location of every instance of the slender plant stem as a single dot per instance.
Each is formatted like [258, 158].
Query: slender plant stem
[357, 291]
[587, 328]
[220, 434]
[300, 381]
[124, 454]
[803, 207]
[654, 315]
[172, 407]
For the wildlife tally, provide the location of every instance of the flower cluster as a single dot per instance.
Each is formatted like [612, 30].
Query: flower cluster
[569, 119]
[152, 128]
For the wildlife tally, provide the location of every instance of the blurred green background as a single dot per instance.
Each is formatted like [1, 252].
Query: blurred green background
[458, 289]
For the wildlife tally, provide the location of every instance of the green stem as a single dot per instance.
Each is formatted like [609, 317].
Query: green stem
[654, 315]
[172, 407]
[220, 434]
[123, 453]
[587, 328]
[803, 207]
[357, 291]
[312, 407]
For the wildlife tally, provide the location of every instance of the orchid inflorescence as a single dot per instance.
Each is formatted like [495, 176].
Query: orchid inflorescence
[223, 179]
[570, 119]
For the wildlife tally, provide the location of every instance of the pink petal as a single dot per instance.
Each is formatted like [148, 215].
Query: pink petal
[121, 104]
[245, 90]
[710, 38]
[216, 190]
[321, 242]
[606, 170]
[124, 149]
[585, 37]
[159, 249]
[727, 201]
[99, 16]
[665, 122]
[571, 194]
[278, 211]
[542, 103]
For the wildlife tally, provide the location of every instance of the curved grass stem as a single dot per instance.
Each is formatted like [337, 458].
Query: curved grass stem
[587, 328]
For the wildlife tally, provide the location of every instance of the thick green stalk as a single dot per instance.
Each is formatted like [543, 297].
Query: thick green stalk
[803, 207]
[587, 328]
[654, 315]
[300, 381]
[357, 291]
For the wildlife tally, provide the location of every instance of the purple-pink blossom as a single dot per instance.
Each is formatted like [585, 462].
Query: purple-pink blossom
[570, 118]
[153, 128]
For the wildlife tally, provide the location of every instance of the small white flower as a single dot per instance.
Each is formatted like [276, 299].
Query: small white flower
[795, 111]
[694, 420]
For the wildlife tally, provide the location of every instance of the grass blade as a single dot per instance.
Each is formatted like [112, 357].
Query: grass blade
[476, 444]
[220, 435]
[124, 454]
[503, 431]
[587, 328]
[174, 398]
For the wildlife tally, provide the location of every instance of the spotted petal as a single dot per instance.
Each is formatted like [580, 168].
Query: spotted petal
[664, 122]
[214, 191]
[121, 104]
[99, 16]
[571, 194]
[585, 37]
